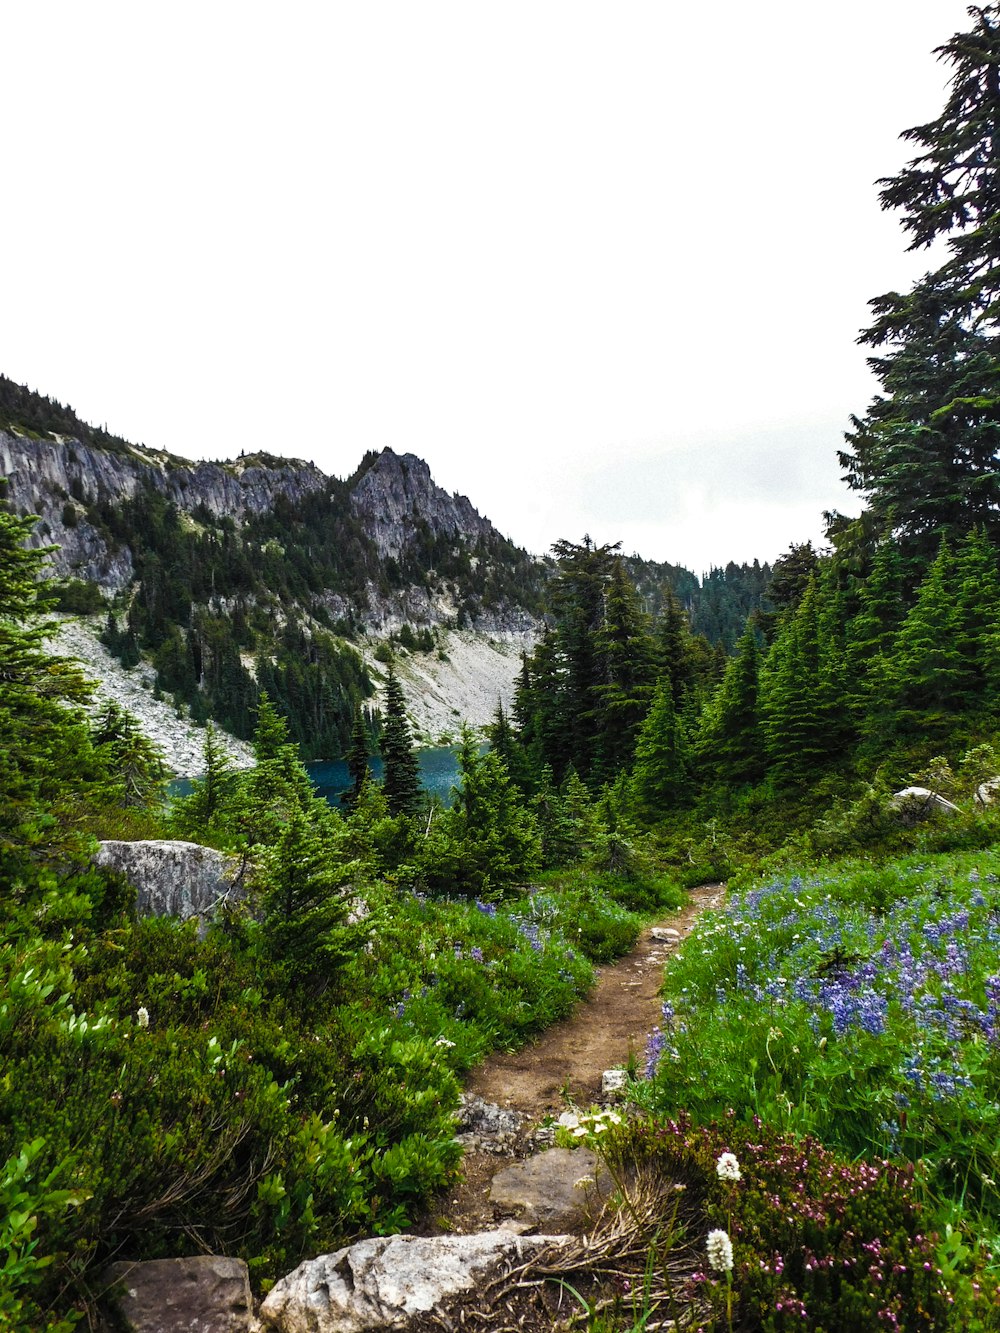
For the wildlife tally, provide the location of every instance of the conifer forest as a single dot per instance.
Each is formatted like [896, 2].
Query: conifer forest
[812, 1127]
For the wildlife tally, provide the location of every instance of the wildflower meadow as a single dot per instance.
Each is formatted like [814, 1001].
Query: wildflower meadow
[836, 1037]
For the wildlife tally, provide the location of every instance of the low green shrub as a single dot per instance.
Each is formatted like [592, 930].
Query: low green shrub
[817, 1241]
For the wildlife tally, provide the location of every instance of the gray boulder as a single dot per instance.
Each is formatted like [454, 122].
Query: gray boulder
[988, 791]
[180, 879]
[205, 1294]
[915, 804]
[390, 1281]
[486, 1127]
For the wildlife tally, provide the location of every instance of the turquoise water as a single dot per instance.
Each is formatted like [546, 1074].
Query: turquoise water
[438, 774]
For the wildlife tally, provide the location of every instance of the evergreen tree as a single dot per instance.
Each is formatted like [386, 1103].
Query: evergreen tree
[555, 829]
[305, 929]
[133, 763]
[488, 840]
[626, 670]
[675, 652]
[803, 709]
[357, 759]
[790, 578]
[660, 774]
[925, 453]
[277, 786]
[211, 794]
[401, 780]
[924, 674]
[578, 596]
[583, 820]
[730, 743]
[46, 758]
[870, 635]
[978, 602]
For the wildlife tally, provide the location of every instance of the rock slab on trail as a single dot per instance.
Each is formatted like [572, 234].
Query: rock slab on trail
[557, 1190]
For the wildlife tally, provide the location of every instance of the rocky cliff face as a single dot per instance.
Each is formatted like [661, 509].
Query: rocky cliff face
[45, 477]
[397, 494]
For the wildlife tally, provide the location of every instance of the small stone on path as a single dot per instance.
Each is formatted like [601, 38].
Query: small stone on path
[556, 1190]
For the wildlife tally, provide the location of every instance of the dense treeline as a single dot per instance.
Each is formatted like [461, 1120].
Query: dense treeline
[717, 606]
[24, 409]
[859, 679]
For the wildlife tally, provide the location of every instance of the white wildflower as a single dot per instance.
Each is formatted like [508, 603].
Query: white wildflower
[720, 1251]
[445, 1043]
[727, 1167]
[142, 1016]
[579, 1132]
[569, 1120]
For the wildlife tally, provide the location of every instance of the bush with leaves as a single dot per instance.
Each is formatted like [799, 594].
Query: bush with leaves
[811, 1238]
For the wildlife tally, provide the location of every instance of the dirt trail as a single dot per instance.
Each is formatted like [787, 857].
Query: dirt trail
[568, 1059]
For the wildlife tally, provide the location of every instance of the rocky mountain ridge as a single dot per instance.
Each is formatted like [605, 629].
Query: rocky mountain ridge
[212, 574]
[395, 500]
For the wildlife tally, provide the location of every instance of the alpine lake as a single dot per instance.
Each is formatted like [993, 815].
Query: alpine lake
[438, 775]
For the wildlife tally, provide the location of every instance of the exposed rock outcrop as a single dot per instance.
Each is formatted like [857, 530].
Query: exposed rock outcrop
[397, 495]
[181, 879]
[918, 803]
[389, 1281]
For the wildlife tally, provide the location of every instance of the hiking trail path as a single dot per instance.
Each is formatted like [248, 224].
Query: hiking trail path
[565, 1064]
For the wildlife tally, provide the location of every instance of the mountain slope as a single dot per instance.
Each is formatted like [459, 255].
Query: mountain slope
[262, 572]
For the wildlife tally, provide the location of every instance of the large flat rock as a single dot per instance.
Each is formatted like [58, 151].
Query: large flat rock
[389, 1281]
[173, 878]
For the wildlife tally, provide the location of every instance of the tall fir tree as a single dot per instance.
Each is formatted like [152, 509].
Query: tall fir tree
[626, 671]
[802, 705]
[357, 758]
[277, 786]
[925, 454]
[730, 743]
[922, 678]
[661, 772]
[676, 655]
[978, 601]
[401, 776]
[46, 757]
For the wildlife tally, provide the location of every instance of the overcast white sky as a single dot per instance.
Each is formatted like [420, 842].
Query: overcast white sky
[601, 265]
